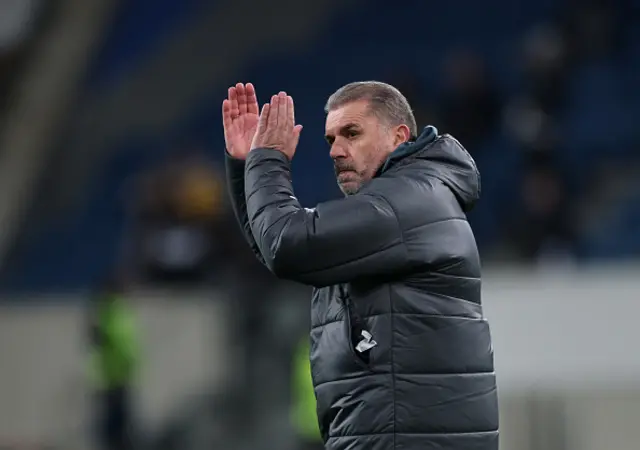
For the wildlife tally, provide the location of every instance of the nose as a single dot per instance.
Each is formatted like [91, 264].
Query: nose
[337, 151]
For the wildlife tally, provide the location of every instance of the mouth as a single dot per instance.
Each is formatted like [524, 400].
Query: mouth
[346, 175]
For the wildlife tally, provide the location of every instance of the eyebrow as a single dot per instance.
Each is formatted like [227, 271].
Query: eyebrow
[344, 128]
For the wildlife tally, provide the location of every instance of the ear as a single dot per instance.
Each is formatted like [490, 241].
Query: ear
[402, 134]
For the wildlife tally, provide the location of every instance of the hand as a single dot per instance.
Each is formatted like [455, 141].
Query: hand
[240, 119]
[276, 127]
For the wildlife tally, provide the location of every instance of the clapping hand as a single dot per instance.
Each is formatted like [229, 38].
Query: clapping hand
[276, 126]
[240, 119]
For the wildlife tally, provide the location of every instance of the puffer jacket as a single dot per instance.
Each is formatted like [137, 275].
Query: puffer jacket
[401, 354]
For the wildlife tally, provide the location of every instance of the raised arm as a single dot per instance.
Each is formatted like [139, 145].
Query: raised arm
[235, 185]
[335, 242]
[240, 121]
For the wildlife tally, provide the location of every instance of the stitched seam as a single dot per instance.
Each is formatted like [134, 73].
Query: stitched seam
[414, 375]
[426, 433]
[442, 316]
[447, 219]
[400, 231]
[373, 252]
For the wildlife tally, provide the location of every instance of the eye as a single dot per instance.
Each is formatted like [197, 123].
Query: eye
[352, 133]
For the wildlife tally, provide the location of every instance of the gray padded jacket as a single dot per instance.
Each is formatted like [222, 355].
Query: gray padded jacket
[401, 354]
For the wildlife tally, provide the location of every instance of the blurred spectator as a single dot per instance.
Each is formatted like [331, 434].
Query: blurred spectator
[186, 234]
[545, 62]
[180, 216]
[528, 125]
[113, 365]
[470, 106]
[541, 228]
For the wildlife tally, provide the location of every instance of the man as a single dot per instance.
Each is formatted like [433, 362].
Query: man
[401, 356]
[113, 365]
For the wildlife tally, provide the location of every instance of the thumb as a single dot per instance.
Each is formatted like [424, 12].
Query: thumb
[264, 118]
[262, 126]
[296, 135]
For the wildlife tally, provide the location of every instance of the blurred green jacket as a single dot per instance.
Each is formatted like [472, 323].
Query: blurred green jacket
[303, 412]
[115, 350]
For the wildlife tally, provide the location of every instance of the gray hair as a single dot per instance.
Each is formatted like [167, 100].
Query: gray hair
[385, 101]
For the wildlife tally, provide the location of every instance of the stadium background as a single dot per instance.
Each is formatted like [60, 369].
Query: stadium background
[110, 152]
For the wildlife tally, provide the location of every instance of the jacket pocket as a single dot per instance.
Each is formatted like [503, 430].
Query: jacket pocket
[353, 328]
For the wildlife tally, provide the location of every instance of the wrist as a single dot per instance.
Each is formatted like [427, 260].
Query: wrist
[233, 157]
[269, 153]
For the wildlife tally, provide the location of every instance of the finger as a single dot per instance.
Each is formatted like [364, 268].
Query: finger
[263, 122]
[226, 114]
[233, 99]
[262, 127]
[252, 99]
[296, 135]
[283, 112]
[291, 119]
[273, 114]
[242, 98]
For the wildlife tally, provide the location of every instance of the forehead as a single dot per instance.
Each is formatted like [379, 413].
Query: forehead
[357, 113]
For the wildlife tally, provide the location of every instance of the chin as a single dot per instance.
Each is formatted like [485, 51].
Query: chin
[349, 188]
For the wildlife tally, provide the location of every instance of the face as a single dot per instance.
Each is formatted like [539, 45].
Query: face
[360, 143]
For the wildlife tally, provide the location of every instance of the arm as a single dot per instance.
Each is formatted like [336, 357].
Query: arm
[336, 242]
[235, 183]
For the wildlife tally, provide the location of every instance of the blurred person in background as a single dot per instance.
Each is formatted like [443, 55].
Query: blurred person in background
[186, 235]
[179, 216]
[303, 409]
[543, 230]
[470, 106]
[539, 229]
[114, 362]
[545, 66]
[394, 264]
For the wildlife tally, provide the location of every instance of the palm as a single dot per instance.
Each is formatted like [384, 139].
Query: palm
[241, 134]
[240, 117]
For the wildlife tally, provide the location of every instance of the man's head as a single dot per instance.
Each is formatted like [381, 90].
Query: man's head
[366, 121]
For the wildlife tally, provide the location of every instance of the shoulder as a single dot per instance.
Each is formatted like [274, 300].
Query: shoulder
[416, 197]
[433, 225]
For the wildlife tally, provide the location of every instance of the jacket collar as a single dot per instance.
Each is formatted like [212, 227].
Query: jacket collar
[428, 135]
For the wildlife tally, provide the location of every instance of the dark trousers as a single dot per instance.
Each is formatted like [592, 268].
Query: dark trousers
[115, 419]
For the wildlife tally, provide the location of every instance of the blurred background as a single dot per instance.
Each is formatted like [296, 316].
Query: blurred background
[130, 305]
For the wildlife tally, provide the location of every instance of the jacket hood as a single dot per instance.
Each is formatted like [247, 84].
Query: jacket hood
[447, 160]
